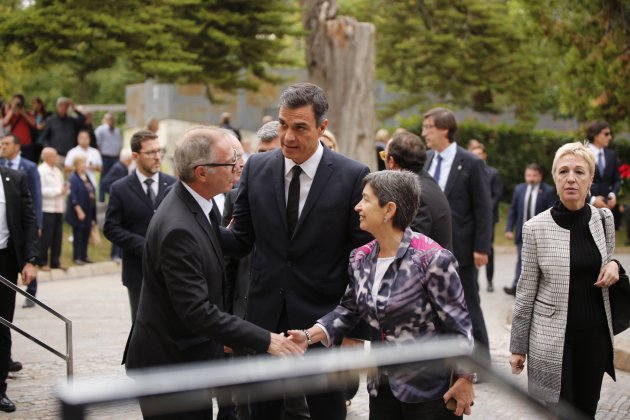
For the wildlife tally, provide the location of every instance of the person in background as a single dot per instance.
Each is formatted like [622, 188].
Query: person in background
[92, 156]
[607, 181]
[81, 209]
[88, 125]
[21, 123]
[153, 125]
[39, 114]
[496, 193]
[61, 129]
[54, 191]
[407, 285]
[267, 137]
[380, 143]
[529, 199]
[109, 142]
[224, 122]
[562, 321]
[12, 158]
[329, 140]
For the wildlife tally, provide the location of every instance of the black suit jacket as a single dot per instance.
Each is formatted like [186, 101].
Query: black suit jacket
[180, 316]
[434, 215]
[468, 193]
[496, 191]
[545, 198]
[610, 182]
[129, 212]
[20, 214]
[116, 172]
[305, 275]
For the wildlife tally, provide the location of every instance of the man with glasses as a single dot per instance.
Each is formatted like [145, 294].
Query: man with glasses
[132, 202]
[181, 317]
[606, 182]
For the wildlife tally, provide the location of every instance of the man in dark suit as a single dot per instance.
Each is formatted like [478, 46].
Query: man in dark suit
[296, 206]
[180, 318]
[11, 158]
[19, 253]
[132, 202]
[529, 198]
[607, 181]
[405, 151]
[496, 192]
[463, 178]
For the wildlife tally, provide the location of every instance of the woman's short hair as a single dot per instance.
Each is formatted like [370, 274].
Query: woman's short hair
[576, 149]
[399, 187]
[79, 158]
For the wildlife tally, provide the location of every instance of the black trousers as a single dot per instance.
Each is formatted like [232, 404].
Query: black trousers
[385, 406]
[81, 239]
[134, 300]
[587, 355]
[52, 236]
[490, 265]
[468, 277]
[9, 270]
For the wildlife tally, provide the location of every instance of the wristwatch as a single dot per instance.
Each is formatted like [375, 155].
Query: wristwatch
[472, 377]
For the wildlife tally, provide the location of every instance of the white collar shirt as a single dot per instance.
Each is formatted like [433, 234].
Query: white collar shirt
[532, 205]
[309, 168]
[154, 186]
[448, 157]
[4, 225]
[206, 205]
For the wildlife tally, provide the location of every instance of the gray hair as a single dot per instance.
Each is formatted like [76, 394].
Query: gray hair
[267, 132]
[125, 154]
[576, 149]
[399, 187]
[304, 94]
[196, 147]
[62, 100]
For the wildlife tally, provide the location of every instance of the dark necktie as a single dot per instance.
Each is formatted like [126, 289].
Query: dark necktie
[9, 164]
[214, 221]
[150, 194]
[600, 162]
[438, 169]
[293, 201]
[528, 210]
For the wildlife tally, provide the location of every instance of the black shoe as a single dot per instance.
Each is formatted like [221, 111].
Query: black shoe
[6, 404]
[28, 304]
[14, 366]
[88, 261]
[510, 291]
[490, 288]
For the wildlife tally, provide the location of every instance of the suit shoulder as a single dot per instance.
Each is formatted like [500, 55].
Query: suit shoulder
[122, 182]
[169, 179]
[347, 163]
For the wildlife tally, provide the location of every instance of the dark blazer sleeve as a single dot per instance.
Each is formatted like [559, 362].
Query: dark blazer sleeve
[35, 186]
[482, 210]
[615, 186]
[496, 192]
[511, 222]
[114, 228]
[117, 172]
[28, 222]
[239, 240]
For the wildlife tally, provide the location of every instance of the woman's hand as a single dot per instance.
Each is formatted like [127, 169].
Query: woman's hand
[517, 361]
[609, 275]
[80, 213]
[462, 391]
[299, 338]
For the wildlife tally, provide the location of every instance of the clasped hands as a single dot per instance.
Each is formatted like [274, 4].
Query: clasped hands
[281, 345]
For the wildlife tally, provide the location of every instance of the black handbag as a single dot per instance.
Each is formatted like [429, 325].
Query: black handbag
[619, 296]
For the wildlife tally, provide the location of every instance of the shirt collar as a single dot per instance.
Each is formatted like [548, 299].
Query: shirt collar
[594, 149]
[155, 177]
[309, 166]
[15, 162]
[449, 152]
[206, 205]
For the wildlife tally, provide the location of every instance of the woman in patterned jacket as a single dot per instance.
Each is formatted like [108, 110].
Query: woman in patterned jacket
[406, 287]
[560, 320]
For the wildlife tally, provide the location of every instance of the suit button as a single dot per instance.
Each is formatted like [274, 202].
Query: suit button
[288, 263]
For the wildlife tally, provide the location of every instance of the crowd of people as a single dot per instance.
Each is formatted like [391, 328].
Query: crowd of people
[297, 246]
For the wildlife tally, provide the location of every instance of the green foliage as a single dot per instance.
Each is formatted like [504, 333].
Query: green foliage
[590, 48]
[225, 45]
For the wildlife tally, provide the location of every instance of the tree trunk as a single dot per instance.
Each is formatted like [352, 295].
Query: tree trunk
[340, 55]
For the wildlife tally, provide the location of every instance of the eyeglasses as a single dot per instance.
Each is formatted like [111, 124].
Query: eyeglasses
[427, 126]
[607, 133]
[217, 165]
[383, 155]
[154, 153]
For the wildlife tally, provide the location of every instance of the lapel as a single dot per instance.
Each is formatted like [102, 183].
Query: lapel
[456, 168]
[136, 187]
[323, 173]
[7, 184]
[162, 186]
[277, 173]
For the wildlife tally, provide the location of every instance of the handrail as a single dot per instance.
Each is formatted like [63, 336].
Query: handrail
[172, 389]
[68, 357]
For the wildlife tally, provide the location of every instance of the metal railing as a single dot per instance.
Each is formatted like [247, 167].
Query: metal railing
[68, 356]
[173, 389]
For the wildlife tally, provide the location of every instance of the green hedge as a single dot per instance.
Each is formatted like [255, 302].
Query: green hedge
[510, 148]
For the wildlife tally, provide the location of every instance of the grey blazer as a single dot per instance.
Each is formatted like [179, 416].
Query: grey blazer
[542, 296]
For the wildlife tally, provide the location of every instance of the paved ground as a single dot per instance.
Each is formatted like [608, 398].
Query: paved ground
[97, 305]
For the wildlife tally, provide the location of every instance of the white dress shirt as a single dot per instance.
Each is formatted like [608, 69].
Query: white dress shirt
[309, 168]
[219, 201]
[53, 198]
[4, 226]
[448, 157]
[206, 205]
[154, 185]
[532, 204]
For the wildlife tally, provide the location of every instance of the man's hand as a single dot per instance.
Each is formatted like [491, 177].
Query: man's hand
[462, 391]
[29, 273]
[509, 235]
[599, 202]
[481, 259]
[517, 362]
[283, 346]
[608, 276]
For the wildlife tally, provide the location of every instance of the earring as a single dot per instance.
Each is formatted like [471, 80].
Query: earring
[384, 219]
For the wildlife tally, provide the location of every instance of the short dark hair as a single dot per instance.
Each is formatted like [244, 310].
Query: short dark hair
[594, 129]
[15, 138]
[401, 188]
[84, 130]
[408, 151]
[443, 118]
[304, 94]
[536, 167]
[140, 136]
